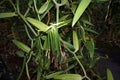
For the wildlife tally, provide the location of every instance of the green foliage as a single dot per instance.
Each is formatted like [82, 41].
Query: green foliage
[109, 75]
[55, 42]
[81, 8]
[68, 77]
[6, 15]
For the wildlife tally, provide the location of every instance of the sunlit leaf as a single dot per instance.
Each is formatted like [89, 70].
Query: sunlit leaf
[6, 15]
[81, 8]
[68, 77]
[22, 46]
[109, 75]
[75, 41]
[44, 7]
[40, 25]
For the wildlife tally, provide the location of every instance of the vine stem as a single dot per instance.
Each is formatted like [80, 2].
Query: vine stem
[84, 71]
[57, 14]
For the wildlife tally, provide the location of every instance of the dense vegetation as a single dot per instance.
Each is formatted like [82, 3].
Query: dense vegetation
[56, 38]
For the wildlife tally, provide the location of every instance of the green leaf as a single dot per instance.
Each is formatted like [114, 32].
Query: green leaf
[68, 45]
[6, 15]
[68, 77]
[20, 54]
[87, 22]
[73, 7]
[22, 46]
[44, 7]
[92, 31]
[75, 41]
[64, 23]
[109, 75]
[63, 18]
[81, 8]
[53, 74]
[64, 1]
[40, 25]
[90, 46]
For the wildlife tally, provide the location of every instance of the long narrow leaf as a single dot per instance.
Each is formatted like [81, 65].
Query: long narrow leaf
[68, 77]
[7, 15]
[109, 75]
[22, 46]
[90, 46]
[44, 7]
[40, 25]
[75, 41]
[81, 8]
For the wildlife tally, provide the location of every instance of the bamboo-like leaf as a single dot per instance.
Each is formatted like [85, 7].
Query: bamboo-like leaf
[68, 77]
[73, 7]
[48, 9]
[81, 8]
[53, 74]
[87, 22]
[90, 46]
[64, 23]
[90, 30]
[109, 75]
[8, 14]
[40, 25]
[44, 7]
[75, 41]
[68, 45]
[22, 46]
[63, 18]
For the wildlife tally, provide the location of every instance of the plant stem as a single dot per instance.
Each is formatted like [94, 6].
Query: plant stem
[12, 4]
[57, 15]
[36, 10]
[28, 24]
[23, 66]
